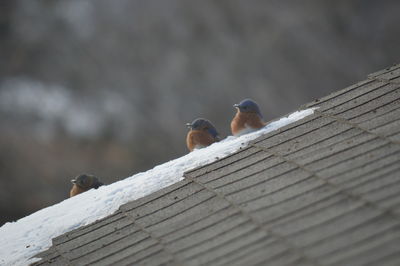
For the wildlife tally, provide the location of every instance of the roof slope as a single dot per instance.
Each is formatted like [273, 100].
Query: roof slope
[322, 191]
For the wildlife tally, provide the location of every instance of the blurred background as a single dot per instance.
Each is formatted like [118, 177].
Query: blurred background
[106, 87]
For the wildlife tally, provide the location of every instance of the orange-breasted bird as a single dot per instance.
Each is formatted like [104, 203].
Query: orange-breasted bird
[248, 118]
[83, 183]
[202, 133]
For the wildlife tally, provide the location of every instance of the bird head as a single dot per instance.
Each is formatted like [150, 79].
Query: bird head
[84, 180]
[248, 106]
[203, 125]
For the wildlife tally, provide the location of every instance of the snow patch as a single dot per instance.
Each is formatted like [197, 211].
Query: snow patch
[21, 240]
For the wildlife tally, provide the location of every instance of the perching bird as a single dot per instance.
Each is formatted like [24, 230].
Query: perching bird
[202, 134]
[247, 119]
[83, 183]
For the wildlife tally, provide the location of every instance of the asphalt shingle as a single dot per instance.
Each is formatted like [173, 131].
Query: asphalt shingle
[324, 190]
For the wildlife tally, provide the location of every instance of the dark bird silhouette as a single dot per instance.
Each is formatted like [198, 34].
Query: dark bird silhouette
[202, 134]
[83, 183]
[248, 118]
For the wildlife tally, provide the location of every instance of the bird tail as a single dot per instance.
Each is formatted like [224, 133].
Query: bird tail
[97, 185]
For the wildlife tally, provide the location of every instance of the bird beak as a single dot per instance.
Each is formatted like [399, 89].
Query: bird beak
[189, 125]
[73, 181]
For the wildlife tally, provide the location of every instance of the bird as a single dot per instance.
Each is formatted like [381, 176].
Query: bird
[248, 118]
[202, 133]
[83, 183]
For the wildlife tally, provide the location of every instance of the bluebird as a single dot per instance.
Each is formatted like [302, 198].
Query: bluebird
[202, 134]
[83, 183]
[247, 119]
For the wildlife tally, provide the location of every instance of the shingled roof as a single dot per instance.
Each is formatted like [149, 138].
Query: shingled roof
[324, 190]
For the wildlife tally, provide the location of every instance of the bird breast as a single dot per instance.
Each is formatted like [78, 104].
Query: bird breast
[244, 123]
[198, 138]
[76, 190]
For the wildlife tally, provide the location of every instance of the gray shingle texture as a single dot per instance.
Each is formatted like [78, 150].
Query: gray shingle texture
[324, 190]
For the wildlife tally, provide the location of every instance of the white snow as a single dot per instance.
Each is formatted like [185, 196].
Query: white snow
[21, 240]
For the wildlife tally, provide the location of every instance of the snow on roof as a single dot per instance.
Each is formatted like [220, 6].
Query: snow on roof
[21, 240]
